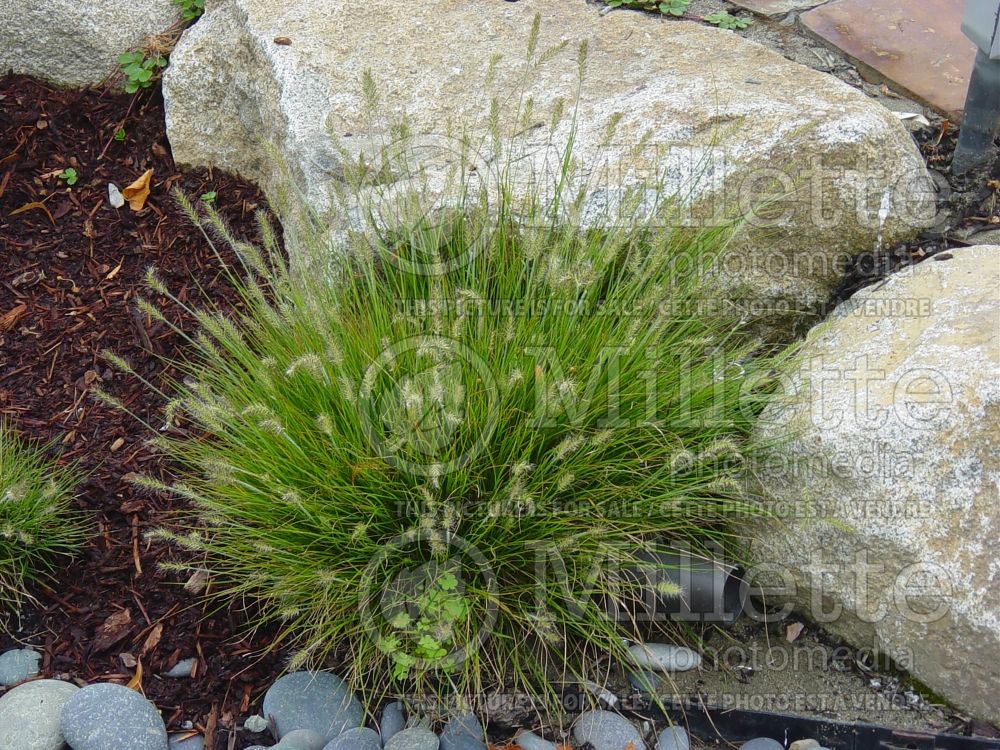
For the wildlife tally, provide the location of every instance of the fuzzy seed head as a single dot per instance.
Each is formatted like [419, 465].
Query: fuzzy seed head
[568, 445]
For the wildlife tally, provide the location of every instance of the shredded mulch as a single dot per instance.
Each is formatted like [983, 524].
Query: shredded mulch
[71, 268]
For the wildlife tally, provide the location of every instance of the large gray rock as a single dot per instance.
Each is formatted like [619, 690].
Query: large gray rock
[18, 665]
[605, 730]
[722, 121]
[106, 715]
[73, 43]
[359, 738]
[413, 738]
[317, 701]
[886, 486]
[29, 715]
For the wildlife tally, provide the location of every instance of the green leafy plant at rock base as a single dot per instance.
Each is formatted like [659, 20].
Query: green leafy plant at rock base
[727, 21]
[140, 70]
[667, 7]
[37, 524]
[679, 8]
[190, 9]
[437, 460]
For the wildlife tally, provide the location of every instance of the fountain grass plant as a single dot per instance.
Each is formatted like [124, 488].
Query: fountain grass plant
[37, 522]
[432, 463]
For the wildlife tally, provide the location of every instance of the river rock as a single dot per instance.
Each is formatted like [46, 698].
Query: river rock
[182, 668]
[301, 739]
[463, 732]
[531, 741]
[255, 724]
[606, 731]
[77, 44]
[883, 482]
[183, 742]
[29, 715]
[359, 738]
[106, 715]
[18, 665]
[413, 738]
[664, 657]
[837, 170]
[318, 701]
[762, 743]
[393, 720]
[673, 738]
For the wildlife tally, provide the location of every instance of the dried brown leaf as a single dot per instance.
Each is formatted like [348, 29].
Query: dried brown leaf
[31, 205]
[197, 582]
[9, 318]
[136, 682]
[112, 630]
[152, 640]
[793, 630]
[137, 193]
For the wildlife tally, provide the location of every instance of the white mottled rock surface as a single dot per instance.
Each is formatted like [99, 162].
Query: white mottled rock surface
[887, 490]
[722, 121]
[73, 43]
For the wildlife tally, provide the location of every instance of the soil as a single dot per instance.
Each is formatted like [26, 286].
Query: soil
[71, 268]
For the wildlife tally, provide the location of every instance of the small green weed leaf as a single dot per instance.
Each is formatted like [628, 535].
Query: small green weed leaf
[674, 7]
[725, 20]
[455, 609]
[190, 9]
[69, 176]
[139, 70]
[401, 620]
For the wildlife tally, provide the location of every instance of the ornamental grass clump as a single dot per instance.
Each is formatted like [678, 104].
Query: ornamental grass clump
[442, 477]
[434, 464]
[37, 522]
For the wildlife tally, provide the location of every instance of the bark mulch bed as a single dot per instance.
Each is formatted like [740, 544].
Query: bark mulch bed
[71, 267]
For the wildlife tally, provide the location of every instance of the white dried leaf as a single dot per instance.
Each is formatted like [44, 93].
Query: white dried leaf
[115, 196]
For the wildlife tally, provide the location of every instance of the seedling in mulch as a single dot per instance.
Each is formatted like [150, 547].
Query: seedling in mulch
[139, 70]
[190, 9]
[725, 20]
[120, 135]
[68, 175]
[209, 197]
